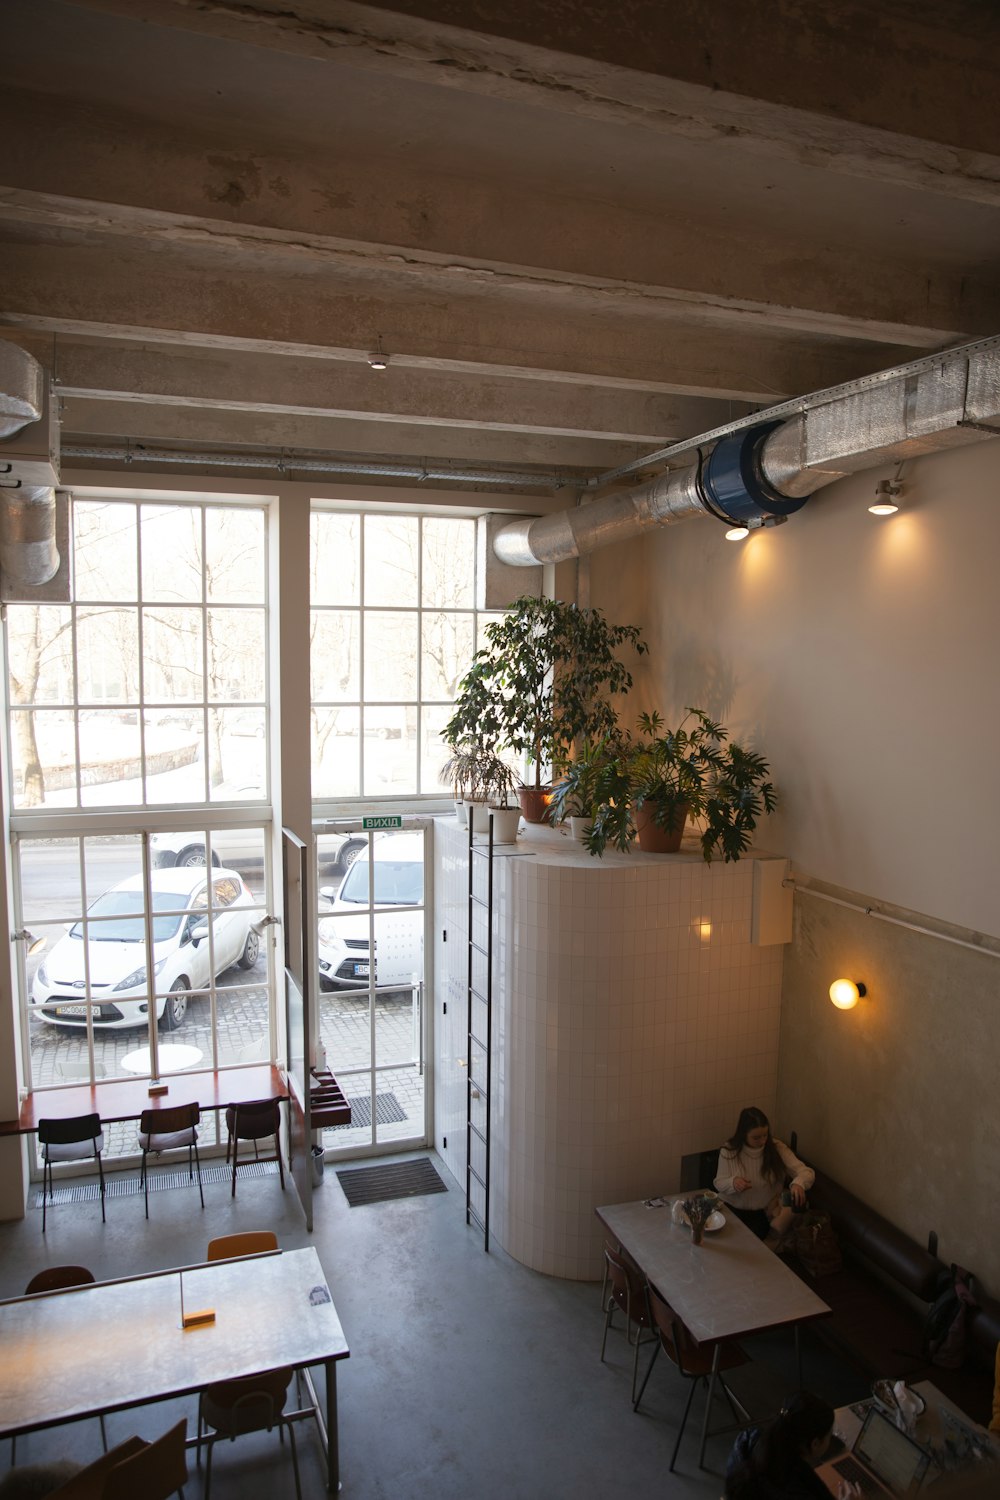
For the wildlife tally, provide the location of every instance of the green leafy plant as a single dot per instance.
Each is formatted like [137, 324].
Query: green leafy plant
[692, 771]
[545, 678]
[585, 782]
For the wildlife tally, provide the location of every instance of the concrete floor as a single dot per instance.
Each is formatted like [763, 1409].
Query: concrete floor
[469, 1375]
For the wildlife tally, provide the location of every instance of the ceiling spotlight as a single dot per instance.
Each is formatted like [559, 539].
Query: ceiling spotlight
[886, 502]
[378, 359]
[737, 533]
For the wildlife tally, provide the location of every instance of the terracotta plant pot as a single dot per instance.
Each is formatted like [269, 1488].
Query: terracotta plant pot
[652, 838]
[534, 803]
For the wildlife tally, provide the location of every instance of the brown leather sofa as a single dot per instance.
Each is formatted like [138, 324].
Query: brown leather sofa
[881, 1297]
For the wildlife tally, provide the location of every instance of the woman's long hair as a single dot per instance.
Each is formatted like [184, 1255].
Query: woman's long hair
[751, 1118]
[774, 1455]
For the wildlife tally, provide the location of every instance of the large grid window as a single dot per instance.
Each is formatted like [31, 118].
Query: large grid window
[150, 687]
[147, 694]
[393, 630]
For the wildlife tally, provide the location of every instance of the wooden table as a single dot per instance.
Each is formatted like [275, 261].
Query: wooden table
[727, 1287]
[116, 1099]
[935, 1433]
[119, 1344]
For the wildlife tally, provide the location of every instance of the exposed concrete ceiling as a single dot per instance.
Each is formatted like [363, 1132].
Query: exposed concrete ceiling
[582, 232]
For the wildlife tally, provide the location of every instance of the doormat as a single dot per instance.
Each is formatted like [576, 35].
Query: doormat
[401, 1179]
[117, 1185]
[388, 1111]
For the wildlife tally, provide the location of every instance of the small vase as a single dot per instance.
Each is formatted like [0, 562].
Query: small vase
[697, 1231]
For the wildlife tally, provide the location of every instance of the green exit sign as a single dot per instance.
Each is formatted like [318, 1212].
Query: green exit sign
[391, 820]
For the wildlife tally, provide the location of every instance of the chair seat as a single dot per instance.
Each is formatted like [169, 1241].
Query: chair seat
[231, 1407]
[73, 1150]
[168, 1142]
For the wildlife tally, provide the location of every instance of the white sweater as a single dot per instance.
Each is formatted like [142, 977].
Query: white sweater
[762, 1189]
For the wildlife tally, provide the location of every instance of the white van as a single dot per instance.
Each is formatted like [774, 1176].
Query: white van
[345, 935]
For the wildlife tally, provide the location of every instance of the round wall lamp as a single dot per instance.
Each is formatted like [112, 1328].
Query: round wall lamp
[32, 944]
[845, 993]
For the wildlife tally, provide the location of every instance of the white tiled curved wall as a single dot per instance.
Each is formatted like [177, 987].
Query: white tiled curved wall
[633, 1018]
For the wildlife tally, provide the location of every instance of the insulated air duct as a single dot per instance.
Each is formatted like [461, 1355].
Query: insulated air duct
[758, 472]
[29, 459]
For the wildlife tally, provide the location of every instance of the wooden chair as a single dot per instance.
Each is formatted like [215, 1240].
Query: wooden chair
[254, 1403]
[79, 1138]
[152, 1471]
[252, 1242]
[626, 1288]
[169, 1130]
[254, 1120]
[58, 1279]
[693, 1360]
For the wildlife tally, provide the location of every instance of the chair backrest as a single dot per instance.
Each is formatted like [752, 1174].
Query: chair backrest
[88, 1482]
[154, 1473]
[248, 1404]
[68, 1132]
[55, 1278]
[252, 1242]
[253, 1119]
[169, 1121]
[672, 1333]
[628, 1285]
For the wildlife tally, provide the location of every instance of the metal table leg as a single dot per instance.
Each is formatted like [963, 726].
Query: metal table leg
[710, 1396]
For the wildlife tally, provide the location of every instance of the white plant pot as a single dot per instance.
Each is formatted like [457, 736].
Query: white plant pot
[578, 826]
[506, 822]
[478, 816]
[461, 812]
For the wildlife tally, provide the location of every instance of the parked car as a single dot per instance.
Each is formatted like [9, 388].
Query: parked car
[239, 848]
[344, 933]
[116, 957]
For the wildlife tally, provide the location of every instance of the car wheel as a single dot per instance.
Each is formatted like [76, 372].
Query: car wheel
[349, 854]
[251, 951]
[194, 855]
[176, 1006]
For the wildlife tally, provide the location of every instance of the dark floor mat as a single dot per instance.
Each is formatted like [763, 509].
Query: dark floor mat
[402, 1179]
[388, 1111]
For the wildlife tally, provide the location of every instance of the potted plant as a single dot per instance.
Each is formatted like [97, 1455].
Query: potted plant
[664, 776]
[584, 784]
[462, 770]
[501, 781]
[545, 678]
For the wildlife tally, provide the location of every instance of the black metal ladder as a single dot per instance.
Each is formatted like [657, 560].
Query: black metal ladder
[479, 1041]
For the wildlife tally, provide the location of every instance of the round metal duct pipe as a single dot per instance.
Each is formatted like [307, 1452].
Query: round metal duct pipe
[28, 551]
[21, 379]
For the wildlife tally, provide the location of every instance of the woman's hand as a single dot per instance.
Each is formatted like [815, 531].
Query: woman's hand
[741, 1184]
[848, 1491]
[798, 1195]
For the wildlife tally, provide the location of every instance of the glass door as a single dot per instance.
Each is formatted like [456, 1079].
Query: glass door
[371, 929]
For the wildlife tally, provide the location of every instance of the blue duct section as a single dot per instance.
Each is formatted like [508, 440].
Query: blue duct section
[732, 482]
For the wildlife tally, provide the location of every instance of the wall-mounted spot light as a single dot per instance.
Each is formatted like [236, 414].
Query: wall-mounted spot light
[378, 359]
[887, 493]
[737, 533]
[845, 993]
[32, 944]
[702, 929]
[265, 922]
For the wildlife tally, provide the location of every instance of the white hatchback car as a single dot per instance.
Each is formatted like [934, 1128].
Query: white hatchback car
[345, 935]
[116, 958]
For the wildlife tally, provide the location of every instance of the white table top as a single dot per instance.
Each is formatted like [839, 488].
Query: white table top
[727, 1286]
[120, 1343]
[173, 1057]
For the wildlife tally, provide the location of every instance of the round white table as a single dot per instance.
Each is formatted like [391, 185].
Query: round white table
[173, 1058]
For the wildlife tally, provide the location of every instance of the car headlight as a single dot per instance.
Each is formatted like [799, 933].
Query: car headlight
[137, 977]
[41, 975]
[329, 937]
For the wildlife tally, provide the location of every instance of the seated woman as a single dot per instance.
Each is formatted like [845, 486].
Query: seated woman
[753, 1168]
[779, 1462]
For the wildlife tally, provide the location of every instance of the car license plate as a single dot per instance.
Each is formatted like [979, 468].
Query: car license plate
[361, 971]
[71, 1010]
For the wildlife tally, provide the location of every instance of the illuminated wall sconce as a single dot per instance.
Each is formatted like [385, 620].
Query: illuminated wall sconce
[702, 929]
[845, 993]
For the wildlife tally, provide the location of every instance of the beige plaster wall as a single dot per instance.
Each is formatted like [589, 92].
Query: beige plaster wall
[898, 1097]
[860, 656]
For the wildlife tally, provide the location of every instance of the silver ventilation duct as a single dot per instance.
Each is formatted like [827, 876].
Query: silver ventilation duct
[757, 473]
[29, 470]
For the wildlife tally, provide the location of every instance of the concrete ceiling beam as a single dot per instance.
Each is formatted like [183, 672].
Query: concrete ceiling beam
[876, 91]
[138, 423]
[264, 383]
[118, 291]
